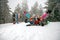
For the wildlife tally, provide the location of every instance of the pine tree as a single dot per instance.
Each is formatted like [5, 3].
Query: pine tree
[40, 10]
[54, 6]
[4, 11]
[34, 9]
[24, 5]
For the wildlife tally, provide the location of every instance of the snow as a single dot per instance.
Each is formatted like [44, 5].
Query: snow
[10, 31]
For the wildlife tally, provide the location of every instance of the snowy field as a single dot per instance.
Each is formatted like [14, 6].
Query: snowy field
[20, 31]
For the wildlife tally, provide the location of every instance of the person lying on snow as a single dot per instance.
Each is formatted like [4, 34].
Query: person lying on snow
[31, 21]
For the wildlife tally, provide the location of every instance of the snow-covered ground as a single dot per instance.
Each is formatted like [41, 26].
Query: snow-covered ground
[20, 31]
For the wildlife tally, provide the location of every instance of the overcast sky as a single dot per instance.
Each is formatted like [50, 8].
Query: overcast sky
[13, 3]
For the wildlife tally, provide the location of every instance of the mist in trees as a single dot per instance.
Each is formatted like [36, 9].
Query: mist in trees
[35, 10]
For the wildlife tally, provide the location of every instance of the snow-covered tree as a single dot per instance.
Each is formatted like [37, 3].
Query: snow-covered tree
[54, 6]
[4, 12]
[34, 9]
[17, 9]
[40, 9]
[24, 5]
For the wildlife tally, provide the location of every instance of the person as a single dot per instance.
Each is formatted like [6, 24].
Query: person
[39, 20]
[26, 20]
[49, 14]
[44, 17]
[13, 18]
[17, 18]
[31, 20]
[36, 22]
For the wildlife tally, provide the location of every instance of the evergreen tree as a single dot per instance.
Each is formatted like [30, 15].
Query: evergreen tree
[40, 10]
[34, 9]
[54, 6]
[4, 11]
[24, 5]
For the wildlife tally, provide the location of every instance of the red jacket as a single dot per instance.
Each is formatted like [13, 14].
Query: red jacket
[36, 22]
